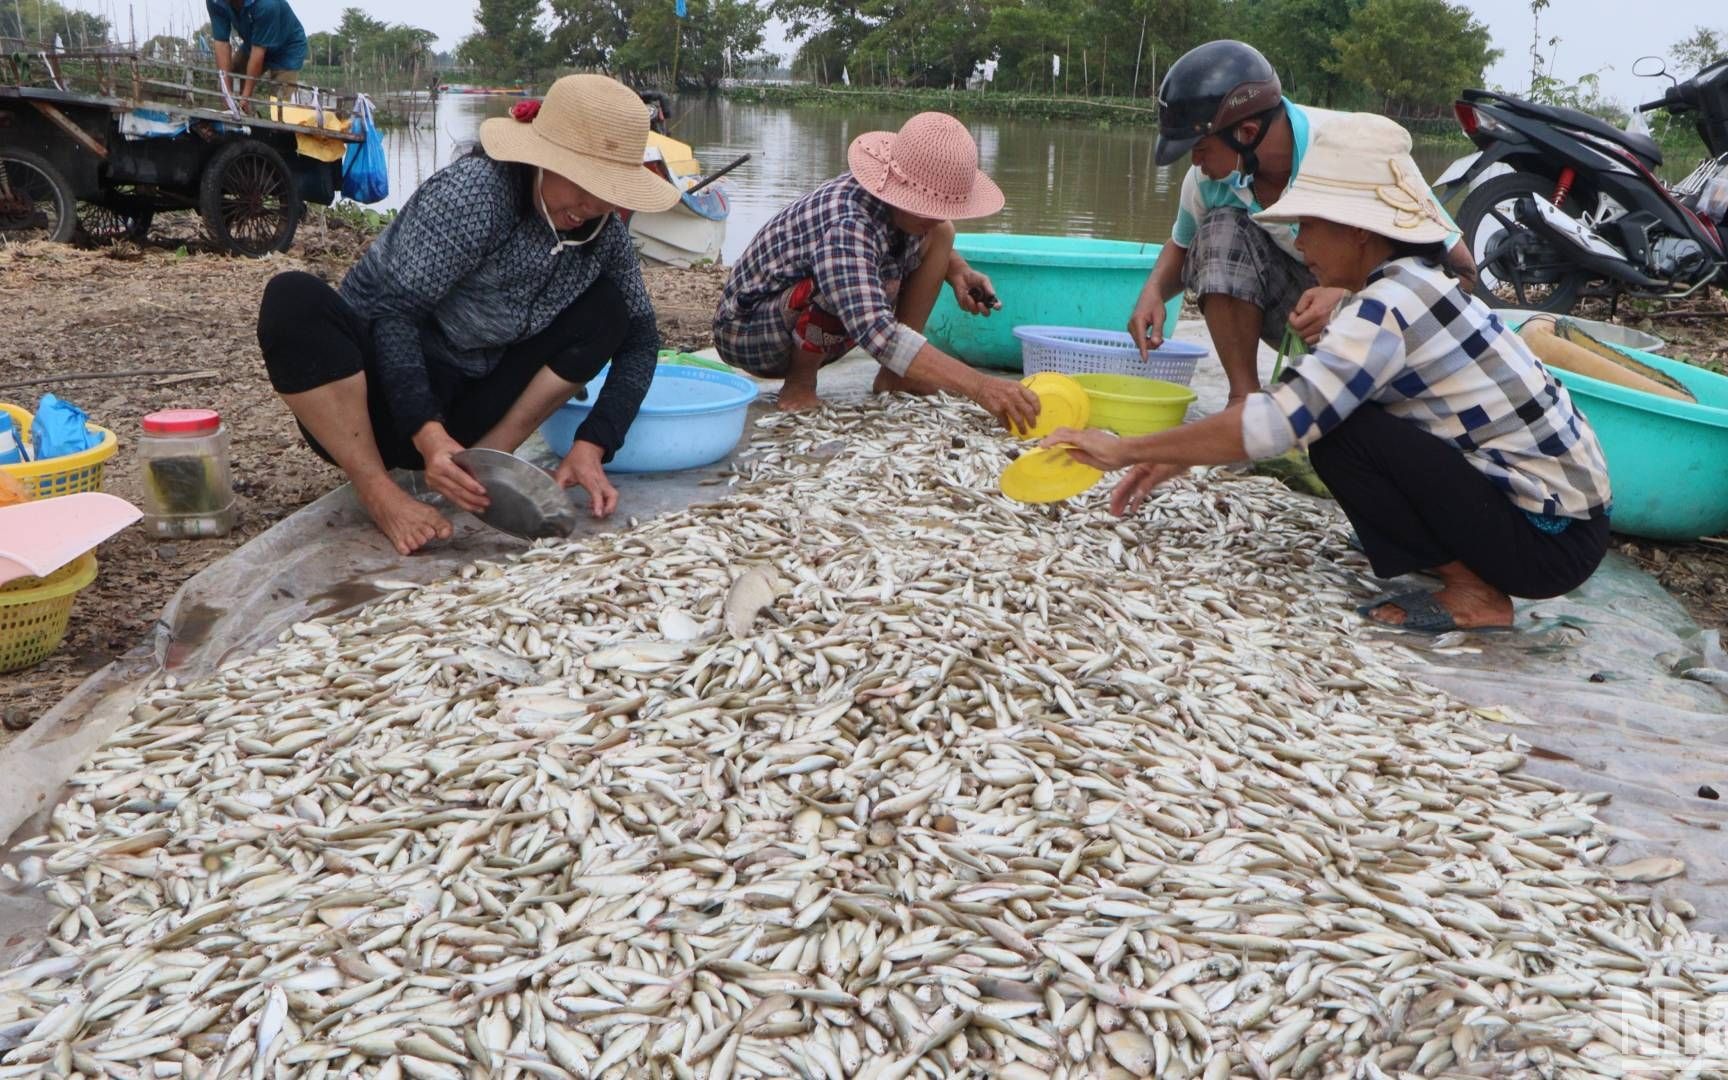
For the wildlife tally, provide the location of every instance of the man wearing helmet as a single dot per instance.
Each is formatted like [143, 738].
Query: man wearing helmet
[1223, 105]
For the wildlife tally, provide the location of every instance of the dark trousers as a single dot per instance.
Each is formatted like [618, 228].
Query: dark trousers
[1418, 504]
[311, 337]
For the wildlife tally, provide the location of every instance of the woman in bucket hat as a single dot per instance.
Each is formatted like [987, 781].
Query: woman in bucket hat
[505, 283]
[1451, 449]
[859, 261]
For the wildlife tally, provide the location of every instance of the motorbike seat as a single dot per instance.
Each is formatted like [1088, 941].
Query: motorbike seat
[1643, 146]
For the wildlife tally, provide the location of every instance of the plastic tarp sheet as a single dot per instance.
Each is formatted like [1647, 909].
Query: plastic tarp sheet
[1593, 684]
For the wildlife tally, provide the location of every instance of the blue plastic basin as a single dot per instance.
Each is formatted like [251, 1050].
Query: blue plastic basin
[1667, 459]
[1048, 280]
[691, 417]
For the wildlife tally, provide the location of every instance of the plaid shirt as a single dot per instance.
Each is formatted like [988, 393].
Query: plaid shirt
[1414, 343]
[842, 238]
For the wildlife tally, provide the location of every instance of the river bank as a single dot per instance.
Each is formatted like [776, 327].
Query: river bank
[175, 306]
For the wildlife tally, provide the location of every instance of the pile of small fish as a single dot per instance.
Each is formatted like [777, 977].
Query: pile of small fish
[863, 771]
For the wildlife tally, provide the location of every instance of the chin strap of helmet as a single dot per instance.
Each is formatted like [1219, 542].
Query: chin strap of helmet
[1250, 160]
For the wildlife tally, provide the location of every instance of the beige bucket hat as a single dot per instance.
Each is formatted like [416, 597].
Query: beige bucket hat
[929, 168]
[592, 131]
[1359, 172]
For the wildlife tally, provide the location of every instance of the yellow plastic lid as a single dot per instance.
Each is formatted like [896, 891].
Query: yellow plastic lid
[1062, 402]
[1046, 475]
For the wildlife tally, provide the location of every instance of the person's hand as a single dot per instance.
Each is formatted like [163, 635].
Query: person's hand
[443, 475]
[1141, 479]
[973, 291]
[1099, 449]
[581, 466]
[1314, 310]
[1014, 406]
[1146, 325]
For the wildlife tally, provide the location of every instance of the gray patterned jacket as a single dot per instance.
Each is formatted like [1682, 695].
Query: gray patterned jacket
[466, 269]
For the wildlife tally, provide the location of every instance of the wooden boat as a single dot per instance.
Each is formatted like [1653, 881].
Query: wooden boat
[692, 232]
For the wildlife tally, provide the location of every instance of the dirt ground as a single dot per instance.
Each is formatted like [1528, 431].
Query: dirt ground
[172, 306]
[175, 306]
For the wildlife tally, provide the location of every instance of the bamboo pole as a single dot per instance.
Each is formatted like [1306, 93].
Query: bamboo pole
[1134, 90]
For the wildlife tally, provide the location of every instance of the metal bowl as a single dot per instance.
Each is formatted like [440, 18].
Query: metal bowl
[525, 500]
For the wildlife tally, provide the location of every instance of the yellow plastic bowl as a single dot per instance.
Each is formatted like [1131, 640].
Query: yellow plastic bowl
[34, 613]
[1062, 402]
[66, 475]
[1130, 405]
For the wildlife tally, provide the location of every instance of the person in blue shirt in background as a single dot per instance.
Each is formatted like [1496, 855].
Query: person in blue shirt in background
[1222, 104]
[274, 41]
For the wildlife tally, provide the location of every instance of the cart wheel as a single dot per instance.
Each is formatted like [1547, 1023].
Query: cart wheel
[248, 199]
[118, 219]
[35, 200]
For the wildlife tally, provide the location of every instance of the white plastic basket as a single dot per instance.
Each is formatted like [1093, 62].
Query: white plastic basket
[1073, 350]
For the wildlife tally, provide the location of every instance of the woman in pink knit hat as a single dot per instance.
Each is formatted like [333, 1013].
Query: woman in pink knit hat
[859, 261]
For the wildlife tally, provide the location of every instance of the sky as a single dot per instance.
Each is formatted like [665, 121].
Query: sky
[1600, 36]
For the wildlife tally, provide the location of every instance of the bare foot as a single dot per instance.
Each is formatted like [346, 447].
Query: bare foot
[798, 399]
[1471, 607]
[889, 383]
[405, 521]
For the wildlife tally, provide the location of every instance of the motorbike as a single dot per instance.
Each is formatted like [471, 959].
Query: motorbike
[1562, 205]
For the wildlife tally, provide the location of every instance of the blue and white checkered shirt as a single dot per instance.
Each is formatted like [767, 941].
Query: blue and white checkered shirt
[843, 238]
[1414, 343]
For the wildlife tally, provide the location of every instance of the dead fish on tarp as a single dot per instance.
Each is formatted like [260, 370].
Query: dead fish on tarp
[500, 665]
[754, 590]
[638, 657]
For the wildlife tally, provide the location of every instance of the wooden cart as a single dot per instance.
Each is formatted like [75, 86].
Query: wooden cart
[94, 142]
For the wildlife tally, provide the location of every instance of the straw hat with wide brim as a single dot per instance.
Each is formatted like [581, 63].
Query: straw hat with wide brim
[592, 131]
[928, 168]
[1359, 172]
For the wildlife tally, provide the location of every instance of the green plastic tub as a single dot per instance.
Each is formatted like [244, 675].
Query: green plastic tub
[1667, 459]
[1043, 280]
[1131, 405]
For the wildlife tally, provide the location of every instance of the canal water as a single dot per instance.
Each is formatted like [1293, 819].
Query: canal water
[1060, 178]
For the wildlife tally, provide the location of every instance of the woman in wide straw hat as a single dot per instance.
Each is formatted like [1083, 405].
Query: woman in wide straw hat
[859, 261]
[504, 284]
[1448, 446]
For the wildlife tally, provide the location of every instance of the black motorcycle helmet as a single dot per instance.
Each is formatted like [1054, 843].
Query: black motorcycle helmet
[1210, 90]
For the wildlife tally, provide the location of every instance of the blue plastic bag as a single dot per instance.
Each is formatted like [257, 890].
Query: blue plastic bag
[365, 175]
[11, 452]
[59, 428]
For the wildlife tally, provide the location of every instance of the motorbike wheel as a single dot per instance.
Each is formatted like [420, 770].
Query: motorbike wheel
[1516, 267]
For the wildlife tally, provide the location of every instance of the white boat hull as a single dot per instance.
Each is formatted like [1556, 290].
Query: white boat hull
[678, 237]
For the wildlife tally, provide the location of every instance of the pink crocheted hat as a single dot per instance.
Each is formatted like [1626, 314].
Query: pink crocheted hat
[929, 168]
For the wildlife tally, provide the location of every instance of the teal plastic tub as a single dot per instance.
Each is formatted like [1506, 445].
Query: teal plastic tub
[1043, 280]
[1667, 459]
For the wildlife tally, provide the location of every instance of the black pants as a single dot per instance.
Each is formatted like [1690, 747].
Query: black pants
[311, 337]
[1418, 504]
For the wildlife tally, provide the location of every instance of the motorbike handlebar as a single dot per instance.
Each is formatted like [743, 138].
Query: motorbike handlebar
[1671, 99]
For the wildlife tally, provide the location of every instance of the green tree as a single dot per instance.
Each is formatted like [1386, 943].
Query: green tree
[1702, 48]
[509, 42]
[1414, 56]
[1298, 37]
[714, 35]
[585, 33]
[830, 31]
[44, 21]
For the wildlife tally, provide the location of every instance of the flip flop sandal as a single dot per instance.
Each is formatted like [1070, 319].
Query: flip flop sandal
[1422, 615]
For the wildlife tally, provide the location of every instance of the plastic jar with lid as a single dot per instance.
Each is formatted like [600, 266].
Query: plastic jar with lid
[187, 491]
